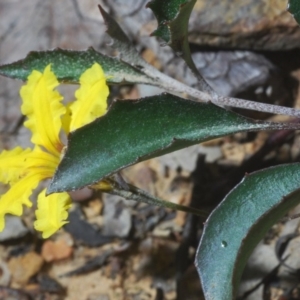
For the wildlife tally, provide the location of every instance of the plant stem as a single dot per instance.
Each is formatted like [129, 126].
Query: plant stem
[131, 192]
[129, 55]
[174, 86]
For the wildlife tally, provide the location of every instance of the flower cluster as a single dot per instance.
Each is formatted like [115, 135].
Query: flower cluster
[47, 119]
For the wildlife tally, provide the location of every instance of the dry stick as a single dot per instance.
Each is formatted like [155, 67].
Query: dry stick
[174, 86]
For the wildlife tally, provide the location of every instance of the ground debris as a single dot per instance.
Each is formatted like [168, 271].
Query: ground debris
[23, 267]
[90, 265]
[56, 250]
[84, 232]
[13, 294]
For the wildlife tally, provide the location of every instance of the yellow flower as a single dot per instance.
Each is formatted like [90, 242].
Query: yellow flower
[47, 118]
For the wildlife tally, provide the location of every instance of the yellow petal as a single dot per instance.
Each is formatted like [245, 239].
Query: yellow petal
[52, 212]
[66, 118]
[41, 104]
[18, 195]
[38, 158]
[12, 164]
[91, 97]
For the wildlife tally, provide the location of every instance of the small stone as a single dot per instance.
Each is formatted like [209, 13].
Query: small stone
[151, 58]
[93, 209]
[253, 24]
[22, 268]
[117, 217]
[56, 250]
[14, 228]
[187, 158]
[49, 284]
[99, 297]
[4, 274]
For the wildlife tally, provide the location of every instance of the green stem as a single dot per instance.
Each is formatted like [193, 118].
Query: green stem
[131, 192]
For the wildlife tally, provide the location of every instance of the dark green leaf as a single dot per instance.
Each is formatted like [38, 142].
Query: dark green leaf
[239, 222]
[173, 18]
[294, 9]
[69, 65]
[134, 131]
[170, 15]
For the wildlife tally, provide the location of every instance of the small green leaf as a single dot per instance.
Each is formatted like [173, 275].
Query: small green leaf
[134, 131]
[294, 9]
[69, 65]
[239, 222]
[173, 19]
[172, 15]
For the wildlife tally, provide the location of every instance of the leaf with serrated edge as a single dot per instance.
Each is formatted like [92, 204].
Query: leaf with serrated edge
[239, 222]
[134, 131]
[166, 12]
[173, 18]
[294, 9]
[68, 66]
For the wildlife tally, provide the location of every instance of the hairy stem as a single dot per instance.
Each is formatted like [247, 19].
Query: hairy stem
[173, 86]
[131, 192]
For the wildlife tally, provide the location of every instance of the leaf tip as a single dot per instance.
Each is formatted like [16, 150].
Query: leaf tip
[149, 4]
[104, 14]
[102, 11]
[53, 187]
